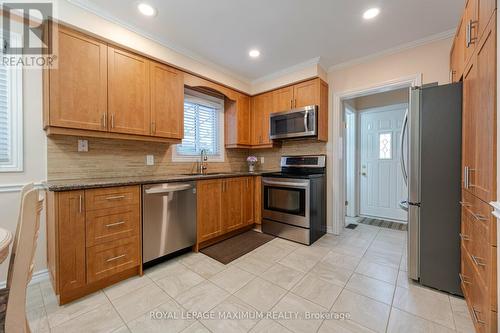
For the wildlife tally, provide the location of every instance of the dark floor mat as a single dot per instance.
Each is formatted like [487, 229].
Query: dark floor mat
[237, 246]
[352, 226]
[384, 224]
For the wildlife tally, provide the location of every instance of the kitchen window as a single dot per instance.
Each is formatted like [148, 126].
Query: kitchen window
[203, 128]
[11, 119]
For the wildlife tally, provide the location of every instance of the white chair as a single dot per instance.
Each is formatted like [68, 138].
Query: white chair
[21, 262]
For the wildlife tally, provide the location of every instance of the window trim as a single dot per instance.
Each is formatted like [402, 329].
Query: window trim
[16, 163]
[219, 102]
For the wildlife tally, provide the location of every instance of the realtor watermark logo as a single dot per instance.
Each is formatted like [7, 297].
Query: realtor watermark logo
[26, 32]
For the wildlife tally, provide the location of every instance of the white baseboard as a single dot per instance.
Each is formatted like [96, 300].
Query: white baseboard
[37, 277]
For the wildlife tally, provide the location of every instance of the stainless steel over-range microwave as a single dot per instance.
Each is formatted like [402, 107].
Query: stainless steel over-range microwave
[296, 123]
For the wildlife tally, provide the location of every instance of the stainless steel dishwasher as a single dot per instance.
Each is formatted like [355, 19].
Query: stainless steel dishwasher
[168, 219]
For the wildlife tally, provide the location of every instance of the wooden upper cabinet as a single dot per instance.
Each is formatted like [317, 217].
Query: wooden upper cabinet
[128, 92]
[232, 205]
[261, 108]
[71, 240]
[483, 177]
[306, 93]
[484, 11]
[283, 99]
[167, 101]
[78, 83]
[469, 101]
[208, 203]
[237, 122]
[457, 57]
[471, 29]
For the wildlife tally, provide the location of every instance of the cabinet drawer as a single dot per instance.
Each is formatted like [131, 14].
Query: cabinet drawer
[107, 259]
[112, 197]
[106, 225]
[466, 273]
[479, 214]
[479, 307]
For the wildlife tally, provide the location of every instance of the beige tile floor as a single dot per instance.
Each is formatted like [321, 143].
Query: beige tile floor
[361, 273]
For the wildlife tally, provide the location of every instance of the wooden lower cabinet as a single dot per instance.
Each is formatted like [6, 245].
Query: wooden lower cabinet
[478, 264]
[93, 239]
[223, 206]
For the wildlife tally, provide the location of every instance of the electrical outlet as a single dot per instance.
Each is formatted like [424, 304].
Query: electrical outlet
[150, 160]
[262, 160]
[83, 146]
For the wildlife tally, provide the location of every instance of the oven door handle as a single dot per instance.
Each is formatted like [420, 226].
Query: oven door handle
[285, 184]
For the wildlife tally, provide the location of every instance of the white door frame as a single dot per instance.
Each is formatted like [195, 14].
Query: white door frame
[337, 165]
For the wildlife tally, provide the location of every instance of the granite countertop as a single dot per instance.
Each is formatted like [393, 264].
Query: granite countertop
[81, 184]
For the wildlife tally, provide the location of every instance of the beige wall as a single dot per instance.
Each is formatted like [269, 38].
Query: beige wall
[399, 96]
[430, 61]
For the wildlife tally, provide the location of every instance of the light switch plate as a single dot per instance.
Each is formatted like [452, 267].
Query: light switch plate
[83, 146]
[150, 160]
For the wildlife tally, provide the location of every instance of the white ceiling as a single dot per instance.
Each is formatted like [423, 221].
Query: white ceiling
[287, 32]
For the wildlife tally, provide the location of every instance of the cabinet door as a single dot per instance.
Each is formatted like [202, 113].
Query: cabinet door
[485, 9]
[232, 212]
[71, 244]
[244, 121]
[208, 217]
[283, 99]
[128, 92]
[78, 83]
[248, 201]
[470, 102]
[483, 181]
[262, 107]
[238, 130]
[458, 54]
[306, 93]
[167, 101]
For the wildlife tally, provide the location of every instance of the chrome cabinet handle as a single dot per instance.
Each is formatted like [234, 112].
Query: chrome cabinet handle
[466, 177]
[463, 279]
[476, 318]
[153, 128]
[476, 261]
[479, 217]
[80, 204]
[112, 121]
[114, 224]
[105, 120]
[116, 197]
[464, 237]
[291, 104]
[465, 203]
[116, 258]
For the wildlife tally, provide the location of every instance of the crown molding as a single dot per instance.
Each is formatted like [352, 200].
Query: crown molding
[419, 42]
[289, 70]
[98, 11]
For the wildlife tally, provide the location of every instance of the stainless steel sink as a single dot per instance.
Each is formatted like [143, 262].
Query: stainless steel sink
[206, 174]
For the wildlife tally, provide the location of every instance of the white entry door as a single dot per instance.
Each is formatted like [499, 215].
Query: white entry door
[381, 180]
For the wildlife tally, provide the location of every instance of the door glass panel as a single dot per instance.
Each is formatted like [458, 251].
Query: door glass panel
[286, 200]
[385, 146]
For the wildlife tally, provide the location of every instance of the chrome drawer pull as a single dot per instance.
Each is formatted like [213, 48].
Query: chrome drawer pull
[465, 204]
[476, 318]
[116, 197]
[114, 224]
[476, 261]
[479, 217]
[462, 278]
[116, 258]
[464, 237]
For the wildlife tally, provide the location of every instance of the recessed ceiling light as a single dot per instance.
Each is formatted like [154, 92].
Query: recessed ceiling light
[146, 9]
[254, 53]
[371, 13]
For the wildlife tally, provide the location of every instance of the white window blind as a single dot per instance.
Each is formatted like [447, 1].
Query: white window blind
[11, 120]
[203, 117]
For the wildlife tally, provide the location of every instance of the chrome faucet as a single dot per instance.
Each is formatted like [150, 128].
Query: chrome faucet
[202, 166]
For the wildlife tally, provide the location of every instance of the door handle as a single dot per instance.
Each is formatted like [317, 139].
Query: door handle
[306, 119]
[401, 153]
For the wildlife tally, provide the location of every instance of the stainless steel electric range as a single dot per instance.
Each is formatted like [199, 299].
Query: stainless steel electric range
[294, 200]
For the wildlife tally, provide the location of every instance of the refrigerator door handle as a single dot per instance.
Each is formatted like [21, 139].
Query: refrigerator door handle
[401, 147]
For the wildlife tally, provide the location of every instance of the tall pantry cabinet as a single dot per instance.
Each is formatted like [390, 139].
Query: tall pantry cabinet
[473, 61]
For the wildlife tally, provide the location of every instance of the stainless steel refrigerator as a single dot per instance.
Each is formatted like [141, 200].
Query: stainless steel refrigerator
[432, 169]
